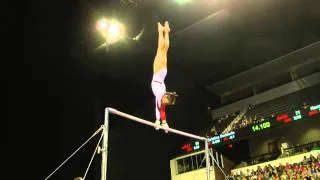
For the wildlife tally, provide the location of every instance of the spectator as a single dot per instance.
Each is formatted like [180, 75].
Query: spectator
[305, 105]
[305, 160]
[284, 176]
[307, 169]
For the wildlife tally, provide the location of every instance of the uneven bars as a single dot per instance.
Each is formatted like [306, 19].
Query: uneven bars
[128, 116]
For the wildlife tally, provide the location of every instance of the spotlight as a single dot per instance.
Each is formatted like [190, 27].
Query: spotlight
[181, 2]
[112, 30]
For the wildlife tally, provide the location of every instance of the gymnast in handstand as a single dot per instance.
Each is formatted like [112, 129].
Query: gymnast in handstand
[162, 97]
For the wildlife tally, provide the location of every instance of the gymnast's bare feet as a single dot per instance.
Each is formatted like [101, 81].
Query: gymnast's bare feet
[166, 26]
[160, 27]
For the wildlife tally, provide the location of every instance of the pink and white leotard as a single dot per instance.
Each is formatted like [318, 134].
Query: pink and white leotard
[159, 89]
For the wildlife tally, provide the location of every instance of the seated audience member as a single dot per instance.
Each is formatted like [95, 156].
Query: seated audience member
[305, 160]
[284, 176]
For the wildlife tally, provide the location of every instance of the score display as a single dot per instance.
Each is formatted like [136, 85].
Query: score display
[286, 118]
[189, 147]
[261, 126]
[297, 115]
[222, 138]
[314, 110]
[269, 123]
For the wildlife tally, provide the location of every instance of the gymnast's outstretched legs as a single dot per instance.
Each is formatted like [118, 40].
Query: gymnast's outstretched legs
[160, 61]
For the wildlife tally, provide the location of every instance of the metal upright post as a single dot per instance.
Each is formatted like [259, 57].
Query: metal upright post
[104, 149]
[207, 159]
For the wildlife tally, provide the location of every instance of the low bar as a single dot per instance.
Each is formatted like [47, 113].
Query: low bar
[128, 116]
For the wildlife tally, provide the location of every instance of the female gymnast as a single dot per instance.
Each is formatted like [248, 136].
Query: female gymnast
[162, 97]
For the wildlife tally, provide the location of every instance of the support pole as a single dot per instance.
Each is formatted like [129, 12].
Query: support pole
[215, 161]
[104, 149]
[207, 159]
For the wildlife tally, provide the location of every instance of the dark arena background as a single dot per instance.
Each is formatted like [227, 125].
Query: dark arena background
[246, 73]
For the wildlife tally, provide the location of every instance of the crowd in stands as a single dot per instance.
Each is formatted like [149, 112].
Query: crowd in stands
[222, 122]
[287, 152]
[246, 120]
[307, 169]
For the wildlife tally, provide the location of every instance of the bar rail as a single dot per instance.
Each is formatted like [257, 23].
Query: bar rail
[131, 117]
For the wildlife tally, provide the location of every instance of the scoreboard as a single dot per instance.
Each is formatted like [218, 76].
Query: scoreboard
[302, 114]
[222, 138]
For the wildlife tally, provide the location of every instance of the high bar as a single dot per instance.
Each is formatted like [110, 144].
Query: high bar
[128, 116]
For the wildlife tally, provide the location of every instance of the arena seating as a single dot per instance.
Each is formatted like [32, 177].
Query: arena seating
[301, 166]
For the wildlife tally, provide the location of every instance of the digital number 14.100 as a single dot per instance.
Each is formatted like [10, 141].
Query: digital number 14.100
[261, 126]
